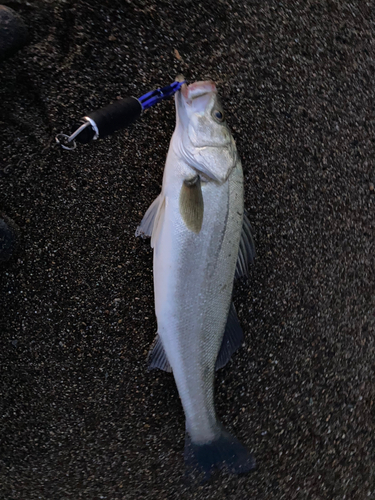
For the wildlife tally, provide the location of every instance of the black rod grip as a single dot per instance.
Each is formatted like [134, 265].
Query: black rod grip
[113, 117]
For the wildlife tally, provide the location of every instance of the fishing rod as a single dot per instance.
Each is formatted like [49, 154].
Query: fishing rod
[121, 114]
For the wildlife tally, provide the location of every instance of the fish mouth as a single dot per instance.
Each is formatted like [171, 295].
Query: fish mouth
[196, 89]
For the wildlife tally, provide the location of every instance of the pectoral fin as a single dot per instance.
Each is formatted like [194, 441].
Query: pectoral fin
[191, 204]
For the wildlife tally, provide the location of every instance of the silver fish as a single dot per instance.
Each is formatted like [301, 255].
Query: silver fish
[201, 239]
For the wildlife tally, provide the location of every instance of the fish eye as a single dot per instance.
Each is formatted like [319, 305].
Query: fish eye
[218, 115]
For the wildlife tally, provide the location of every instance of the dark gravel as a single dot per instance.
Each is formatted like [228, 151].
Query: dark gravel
[80, 415]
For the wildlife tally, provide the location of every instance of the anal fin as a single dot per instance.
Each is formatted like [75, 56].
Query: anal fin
[232, 340]
[157, 357]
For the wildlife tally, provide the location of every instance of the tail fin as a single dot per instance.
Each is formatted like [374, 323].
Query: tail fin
[225, 452]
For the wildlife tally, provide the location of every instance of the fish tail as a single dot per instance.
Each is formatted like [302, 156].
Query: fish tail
[224, 452]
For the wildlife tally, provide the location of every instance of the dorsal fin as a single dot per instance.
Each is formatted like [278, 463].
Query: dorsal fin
[246, 251]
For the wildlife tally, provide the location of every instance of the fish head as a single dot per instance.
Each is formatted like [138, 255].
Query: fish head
[202, 135]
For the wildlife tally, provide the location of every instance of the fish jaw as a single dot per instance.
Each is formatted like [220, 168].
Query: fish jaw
[193, 98]
[197, 89]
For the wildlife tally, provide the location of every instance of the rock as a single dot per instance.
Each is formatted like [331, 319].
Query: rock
[13, 32]
[8, 239]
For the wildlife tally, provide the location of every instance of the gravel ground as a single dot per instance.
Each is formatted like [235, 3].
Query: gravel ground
[80, 415]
